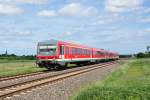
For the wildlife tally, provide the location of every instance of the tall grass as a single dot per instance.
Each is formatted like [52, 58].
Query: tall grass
[130, 82]
[11, 68]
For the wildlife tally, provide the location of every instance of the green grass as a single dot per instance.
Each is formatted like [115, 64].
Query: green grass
[13, 61]
[11, 68]
[130, 82]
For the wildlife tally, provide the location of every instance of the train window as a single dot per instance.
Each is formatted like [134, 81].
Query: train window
[88, 52]
[73, 51]
[67, 50]
[94, 52]
[79, 51]
[84, 51]
[62, 50]
[76, 51]
[99, 53]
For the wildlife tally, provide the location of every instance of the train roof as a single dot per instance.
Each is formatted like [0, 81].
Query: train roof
[54, 42]
[75, 44]
[46, 42]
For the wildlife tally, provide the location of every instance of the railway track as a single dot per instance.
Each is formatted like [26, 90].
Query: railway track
[28, 85]
[20, 76]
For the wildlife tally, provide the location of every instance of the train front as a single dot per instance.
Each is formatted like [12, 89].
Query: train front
[46, 54]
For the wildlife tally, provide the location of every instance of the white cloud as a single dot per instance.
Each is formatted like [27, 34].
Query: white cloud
[24, 1]
[145, 20]
[73, 9]
[147, 10]
[68, 33]
[122, 5]
[147, 30]
[47, 13]
[143, 32]
[9, 10]
[76, 9]
[24, 33]
[32, 1]
[108, 19]
[4, 42]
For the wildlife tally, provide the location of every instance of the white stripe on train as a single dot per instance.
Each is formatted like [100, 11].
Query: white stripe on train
[80, 59]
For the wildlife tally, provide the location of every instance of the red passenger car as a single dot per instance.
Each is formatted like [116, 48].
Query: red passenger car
[54, 53]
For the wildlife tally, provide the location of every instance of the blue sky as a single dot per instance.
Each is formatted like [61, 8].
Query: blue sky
[118, 25]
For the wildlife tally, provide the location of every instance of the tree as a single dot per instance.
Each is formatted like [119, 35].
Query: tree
[141, 55]
[148, 47]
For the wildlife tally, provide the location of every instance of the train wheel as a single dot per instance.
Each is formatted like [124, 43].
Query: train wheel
[40, 65]
[64, 66]
[79, 64]
[59, 67]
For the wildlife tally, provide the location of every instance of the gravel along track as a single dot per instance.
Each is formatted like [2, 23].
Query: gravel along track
[20, 76]
[9, 91]
[32, 77]
[61, 90]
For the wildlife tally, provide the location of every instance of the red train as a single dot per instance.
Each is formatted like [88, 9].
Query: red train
[52, 53]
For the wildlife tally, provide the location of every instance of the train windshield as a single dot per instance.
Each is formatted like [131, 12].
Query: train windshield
[47, 50]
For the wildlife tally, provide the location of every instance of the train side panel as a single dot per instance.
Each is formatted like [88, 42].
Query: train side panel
[65, 53]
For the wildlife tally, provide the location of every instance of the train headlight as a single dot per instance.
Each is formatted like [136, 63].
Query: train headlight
[60, 56]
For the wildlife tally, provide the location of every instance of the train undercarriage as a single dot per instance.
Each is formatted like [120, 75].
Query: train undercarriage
[58, 65]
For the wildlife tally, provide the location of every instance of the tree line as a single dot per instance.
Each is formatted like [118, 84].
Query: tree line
[16, 57]
[138, 55]
[143, 55]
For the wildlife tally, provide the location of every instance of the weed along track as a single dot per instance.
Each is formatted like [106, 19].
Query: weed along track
[20, 76]
[29, 85]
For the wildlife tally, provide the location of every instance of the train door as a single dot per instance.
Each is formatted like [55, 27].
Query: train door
[62, 51]
[67, 52]
[91, 54]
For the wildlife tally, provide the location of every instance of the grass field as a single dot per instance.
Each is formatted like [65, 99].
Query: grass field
[130, 82]
[15, 67]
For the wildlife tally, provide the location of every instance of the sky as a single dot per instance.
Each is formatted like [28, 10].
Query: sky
[122, 26]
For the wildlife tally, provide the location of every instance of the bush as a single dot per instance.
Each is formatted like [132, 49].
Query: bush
[130, 82]
[143, 55]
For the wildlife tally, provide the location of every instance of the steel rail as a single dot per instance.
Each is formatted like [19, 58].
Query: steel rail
[36, 83]
[20, 76]
[44, 77]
